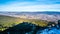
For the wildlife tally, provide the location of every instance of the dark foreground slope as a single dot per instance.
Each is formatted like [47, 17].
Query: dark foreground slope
[28, 28]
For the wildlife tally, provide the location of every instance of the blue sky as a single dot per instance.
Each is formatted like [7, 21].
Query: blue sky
[29, 5]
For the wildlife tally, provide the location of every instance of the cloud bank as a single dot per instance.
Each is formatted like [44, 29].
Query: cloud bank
[30, 5]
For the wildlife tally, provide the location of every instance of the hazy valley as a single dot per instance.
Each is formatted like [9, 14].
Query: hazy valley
[35, 20]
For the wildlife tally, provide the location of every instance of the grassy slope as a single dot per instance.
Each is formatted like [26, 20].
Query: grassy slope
[7, 21]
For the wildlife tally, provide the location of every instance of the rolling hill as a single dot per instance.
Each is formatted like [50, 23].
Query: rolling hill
[8, 21]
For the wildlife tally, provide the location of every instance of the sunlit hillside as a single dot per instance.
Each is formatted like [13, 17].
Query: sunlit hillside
[7, 21]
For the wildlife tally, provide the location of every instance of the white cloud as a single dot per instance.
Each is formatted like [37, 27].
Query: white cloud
[27, 6]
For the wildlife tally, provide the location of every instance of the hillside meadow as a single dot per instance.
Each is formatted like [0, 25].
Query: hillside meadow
[7, 21]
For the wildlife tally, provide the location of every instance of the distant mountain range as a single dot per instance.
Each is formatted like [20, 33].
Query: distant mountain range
[50, 16]
[46, 12]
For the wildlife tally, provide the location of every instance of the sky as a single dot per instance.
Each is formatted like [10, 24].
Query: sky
[30, 5]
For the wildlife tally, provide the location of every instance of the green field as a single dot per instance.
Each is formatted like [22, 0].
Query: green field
[7, 21]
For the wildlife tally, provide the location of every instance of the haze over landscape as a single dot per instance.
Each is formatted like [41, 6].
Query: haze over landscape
[50, 16]
[29, 16]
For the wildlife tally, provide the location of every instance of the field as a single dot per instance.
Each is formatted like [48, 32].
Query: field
[7, 21]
